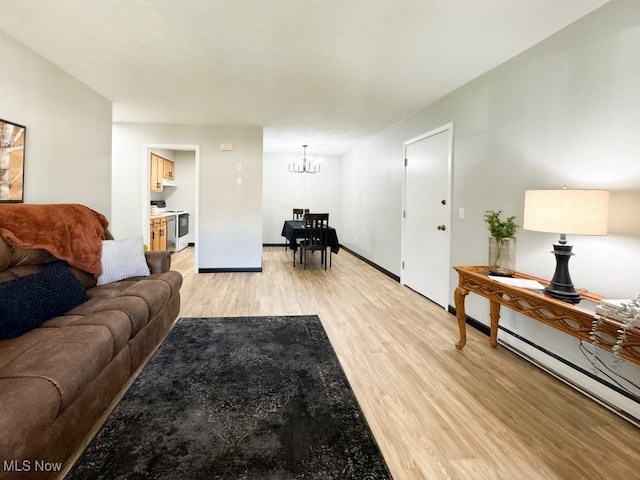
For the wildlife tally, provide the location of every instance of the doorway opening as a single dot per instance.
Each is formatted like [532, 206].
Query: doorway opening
[191, 184]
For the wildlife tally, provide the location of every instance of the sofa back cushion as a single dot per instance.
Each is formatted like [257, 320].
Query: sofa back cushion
[18, 262]
[11, 258]
[26, 302]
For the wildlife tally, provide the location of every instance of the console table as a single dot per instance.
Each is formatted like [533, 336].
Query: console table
[576, 320]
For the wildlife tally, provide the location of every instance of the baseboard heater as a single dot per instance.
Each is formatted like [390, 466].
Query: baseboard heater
[596, 398]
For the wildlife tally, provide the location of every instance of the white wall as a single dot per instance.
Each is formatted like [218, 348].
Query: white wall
[565, 112]
[284, 191]
[229, 220]
[68, 149]
[372, 197]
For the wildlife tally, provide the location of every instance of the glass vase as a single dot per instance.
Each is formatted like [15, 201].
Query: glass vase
[502, 256]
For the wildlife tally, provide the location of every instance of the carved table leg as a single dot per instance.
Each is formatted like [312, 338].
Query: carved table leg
[459, 296]
[494, 314]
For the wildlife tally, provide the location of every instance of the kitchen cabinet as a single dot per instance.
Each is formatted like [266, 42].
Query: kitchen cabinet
[157, 173]
[158, 233]
[160, 169]
[168, 169]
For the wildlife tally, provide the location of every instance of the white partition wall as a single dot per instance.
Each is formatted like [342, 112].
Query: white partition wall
[229, 204]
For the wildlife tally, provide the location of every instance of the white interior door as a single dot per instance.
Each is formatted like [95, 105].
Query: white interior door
[427, 214]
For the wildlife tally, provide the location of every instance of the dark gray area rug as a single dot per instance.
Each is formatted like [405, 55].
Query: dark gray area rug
[253, 398]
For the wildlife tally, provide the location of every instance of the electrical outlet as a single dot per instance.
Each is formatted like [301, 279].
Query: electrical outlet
[461, 213]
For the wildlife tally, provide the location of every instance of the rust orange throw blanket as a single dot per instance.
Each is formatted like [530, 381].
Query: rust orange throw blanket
[68, 231]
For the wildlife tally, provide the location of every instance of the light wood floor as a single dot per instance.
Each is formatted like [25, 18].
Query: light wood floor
[436, 413]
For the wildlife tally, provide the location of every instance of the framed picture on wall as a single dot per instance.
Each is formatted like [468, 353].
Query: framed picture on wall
[12, 142]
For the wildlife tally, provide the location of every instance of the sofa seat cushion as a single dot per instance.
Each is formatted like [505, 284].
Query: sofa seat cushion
[29, 407]
[155, 292]
[105, 299]
[116, 321]
[68, 357]
[141, 298]
[171, 278]
[13, 348]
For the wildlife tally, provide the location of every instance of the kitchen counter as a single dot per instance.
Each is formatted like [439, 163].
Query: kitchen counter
[162, 214]
[176, 231]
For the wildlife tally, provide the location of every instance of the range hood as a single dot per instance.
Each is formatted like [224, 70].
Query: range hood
[168, 183]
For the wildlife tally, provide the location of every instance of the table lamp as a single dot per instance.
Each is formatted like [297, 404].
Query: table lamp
[577, 212]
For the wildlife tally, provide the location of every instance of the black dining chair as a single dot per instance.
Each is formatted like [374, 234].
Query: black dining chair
[298, 214]
[316, 233]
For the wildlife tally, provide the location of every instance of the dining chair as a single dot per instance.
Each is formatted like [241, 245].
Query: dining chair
[316, 228]
[298, 214]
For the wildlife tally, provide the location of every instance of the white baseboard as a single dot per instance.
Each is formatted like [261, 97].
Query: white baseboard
[595, 389]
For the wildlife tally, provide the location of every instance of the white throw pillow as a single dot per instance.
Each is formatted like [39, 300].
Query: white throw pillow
[122, 259]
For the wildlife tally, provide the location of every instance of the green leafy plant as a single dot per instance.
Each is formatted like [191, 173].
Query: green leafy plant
[500, 228]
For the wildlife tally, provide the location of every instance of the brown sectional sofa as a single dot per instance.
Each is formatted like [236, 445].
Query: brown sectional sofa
[59, 379]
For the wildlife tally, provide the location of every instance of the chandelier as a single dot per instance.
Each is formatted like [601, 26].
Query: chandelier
[304, 165]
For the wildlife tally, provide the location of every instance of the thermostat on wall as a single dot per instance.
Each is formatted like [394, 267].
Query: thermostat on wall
[226, 147]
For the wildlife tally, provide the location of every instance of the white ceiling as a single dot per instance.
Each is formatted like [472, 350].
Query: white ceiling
[329, 73]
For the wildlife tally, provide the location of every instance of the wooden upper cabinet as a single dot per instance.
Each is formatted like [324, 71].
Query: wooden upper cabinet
[161, 168]
[168, 169]
[157, 173]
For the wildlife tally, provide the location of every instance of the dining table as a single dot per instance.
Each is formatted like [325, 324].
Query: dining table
[293, 230]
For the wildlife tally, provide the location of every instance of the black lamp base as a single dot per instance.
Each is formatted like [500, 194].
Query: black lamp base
[561, 286]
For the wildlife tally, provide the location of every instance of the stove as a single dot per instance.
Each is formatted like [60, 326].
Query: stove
[182, 230]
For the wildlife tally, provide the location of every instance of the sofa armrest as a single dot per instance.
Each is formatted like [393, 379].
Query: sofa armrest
[158, 261]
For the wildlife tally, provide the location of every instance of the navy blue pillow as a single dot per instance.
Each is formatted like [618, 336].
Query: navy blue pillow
[28, 301]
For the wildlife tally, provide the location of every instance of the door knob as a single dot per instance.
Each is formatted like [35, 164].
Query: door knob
[442, 227]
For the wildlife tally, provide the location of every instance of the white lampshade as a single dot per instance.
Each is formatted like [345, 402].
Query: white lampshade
[577, 212]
